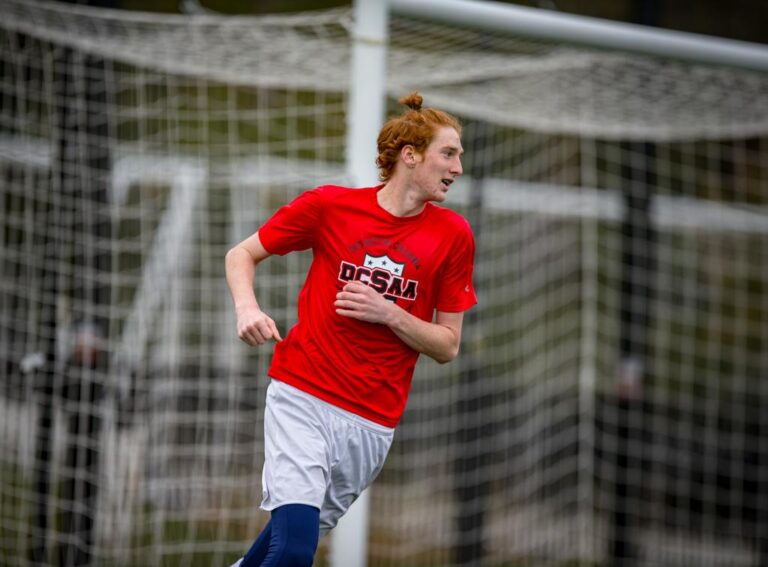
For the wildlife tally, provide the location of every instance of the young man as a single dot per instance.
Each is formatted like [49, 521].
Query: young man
[391, 278]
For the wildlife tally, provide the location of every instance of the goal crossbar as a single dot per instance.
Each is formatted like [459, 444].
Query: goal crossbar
[587, 31]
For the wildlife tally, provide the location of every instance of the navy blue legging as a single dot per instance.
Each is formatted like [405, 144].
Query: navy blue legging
[288, 540]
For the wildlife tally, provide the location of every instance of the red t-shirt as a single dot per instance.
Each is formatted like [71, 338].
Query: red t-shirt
[422, 263]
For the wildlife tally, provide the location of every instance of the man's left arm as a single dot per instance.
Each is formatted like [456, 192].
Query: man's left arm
[439, 339]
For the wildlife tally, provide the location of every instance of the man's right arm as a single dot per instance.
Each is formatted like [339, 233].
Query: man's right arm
[254, 327]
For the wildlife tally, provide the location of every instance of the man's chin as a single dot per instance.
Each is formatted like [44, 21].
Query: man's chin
[439, 195]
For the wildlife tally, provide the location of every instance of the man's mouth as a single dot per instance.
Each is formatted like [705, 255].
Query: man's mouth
[446, 182]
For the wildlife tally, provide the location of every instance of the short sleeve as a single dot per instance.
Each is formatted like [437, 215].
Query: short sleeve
[293, 226]
[456, 290]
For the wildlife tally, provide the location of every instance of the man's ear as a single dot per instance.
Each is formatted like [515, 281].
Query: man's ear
[408, 155]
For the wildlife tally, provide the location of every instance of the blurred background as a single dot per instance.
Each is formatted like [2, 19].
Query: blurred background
[608, 408]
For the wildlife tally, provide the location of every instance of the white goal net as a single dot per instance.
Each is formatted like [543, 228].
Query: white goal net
[608, 406]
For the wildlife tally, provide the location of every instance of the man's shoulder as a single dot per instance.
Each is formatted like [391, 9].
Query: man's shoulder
[334, 192]
[449, 218]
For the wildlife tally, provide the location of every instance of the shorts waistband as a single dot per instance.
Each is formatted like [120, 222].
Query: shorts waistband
[346, 415]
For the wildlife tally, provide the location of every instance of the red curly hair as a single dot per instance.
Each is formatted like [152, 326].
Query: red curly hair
[415, 127]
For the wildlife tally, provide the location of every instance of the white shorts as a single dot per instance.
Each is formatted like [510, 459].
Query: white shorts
[318, 454]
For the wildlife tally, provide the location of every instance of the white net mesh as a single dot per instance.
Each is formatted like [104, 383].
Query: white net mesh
[606, 407]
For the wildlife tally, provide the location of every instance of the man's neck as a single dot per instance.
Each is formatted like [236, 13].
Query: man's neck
[399, 200]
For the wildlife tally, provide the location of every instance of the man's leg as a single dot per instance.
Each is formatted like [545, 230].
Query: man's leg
[258, 550]
[291, 541]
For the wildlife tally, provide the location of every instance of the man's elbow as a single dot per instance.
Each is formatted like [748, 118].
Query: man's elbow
[237, 254]
[448, 355]
[231, 253]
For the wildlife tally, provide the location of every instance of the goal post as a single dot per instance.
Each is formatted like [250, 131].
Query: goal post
[365, 117]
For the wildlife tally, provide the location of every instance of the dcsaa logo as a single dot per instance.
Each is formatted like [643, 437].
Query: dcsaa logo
[383, 274]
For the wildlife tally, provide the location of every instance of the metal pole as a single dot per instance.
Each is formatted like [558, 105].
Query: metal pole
[638, 245]
[365, 115]
[367, 92]
[474, 439]
[583, 30]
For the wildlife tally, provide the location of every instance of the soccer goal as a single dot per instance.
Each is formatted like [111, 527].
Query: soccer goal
[608, 405]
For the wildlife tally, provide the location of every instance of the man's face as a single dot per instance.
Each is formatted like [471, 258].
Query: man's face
[440, 164]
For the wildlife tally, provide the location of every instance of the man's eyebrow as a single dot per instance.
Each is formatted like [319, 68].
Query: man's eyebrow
[454, 148]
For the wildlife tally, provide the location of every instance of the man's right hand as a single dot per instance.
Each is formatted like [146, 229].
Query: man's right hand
[254, 327]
